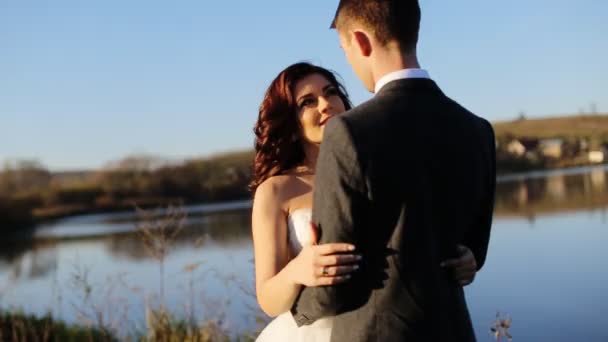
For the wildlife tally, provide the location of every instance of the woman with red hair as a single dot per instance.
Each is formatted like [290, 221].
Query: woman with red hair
[289, 131]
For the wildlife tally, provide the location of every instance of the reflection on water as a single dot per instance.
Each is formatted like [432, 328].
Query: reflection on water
[558, 192]
[549, 276]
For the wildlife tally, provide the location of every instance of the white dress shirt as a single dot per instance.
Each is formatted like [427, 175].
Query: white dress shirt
[400, 74]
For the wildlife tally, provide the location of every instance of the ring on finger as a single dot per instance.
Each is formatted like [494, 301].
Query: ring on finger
[324, 271]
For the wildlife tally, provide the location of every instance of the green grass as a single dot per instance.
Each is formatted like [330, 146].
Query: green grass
[161, 326]
[17, 326]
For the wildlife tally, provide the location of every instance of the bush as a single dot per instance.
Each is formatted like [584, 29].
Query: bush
[80, 194]
[15, 214]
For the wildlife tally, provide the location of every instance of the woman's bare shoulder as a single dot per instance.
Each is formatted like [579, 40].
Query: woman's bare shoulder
[276, 184]
[275, 190]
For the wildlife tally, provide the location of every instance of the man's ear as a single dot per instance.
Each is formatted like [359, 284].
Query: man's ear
[363, 43]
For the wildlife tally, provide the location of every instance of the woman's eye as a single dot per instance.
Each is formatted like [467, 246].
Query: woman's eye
[306, 103]
[332, 92]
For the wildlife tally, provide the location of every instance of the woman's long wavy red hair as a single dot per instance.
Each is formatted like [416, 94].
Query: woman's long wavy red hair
[278, 145]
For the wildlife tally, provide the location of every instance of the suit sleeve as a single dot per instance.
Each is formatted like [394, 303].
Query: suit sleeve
[339, 209]
[478, 238]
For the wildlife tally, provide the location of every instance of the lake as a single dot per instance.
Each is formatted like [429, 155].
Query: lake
[547, 265]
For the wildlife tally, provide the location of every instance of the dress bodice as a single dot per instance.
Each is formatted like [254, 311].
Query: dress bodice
[300, 232]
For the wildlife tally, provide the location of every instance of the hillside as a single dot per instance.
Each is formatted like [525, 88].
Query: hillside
[589, 126]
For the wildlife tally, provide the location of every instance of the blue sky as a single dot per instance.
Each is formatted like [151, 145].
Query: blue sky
[83, 83]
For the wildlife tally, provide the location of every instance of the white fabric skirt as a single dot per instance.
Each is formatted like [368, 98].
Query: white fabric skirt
[284, 328]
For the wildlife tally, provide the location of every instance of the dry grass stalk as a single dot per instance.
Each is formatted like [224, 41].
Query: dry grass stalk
[500, 327]
[158, 233]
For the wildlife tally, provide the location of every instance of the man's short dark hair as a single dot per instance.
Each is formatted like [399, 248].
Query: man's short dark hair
[390, 20]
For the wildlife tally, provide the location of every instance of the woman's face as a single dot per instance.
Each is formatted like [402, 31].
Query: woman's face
[317, 100]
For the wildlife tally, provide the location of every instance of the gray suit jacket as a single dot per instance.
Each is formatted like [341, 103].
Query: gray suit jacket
[405, 177]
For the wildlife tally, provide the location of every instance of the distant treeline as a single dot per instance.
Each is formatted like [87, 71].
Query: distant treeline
[30, 193]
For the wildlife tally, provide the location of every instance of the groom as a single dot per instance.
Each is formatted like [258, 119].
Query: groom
[406, 177]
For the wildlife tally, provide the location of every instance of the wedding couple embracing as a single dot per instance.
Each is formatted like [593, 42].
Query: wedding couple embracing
[369, 220]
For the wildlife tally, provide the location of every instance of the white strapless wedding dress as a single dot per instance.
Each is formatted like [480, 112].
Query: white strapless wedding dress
[283, 327]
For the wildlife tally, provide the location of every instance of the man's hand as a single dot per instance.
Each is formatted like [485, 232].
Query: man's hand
[464, 267]
[324, 264]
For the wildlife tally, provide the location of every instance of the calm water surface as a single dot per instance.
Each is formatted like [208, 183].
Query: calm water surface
[547, 265]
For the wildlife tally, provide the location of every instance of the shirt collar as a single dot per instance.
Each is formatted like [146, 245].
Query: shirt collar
[400, 74]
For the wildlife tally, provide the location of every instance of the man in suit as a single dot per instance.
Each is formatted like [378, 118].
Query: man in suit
[407, 177]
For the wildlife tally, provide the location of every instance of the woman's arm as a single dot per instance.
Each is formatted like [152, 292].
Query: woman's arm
[275, 288]
[279, 279]
[464, 268]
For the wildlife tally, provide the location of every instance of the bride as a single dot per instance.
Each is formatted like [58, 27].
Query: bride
[289, 130]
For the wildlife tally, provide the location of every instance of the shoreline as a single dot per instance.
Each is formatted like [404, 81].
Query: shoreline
[539, 173]
[49, 215]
